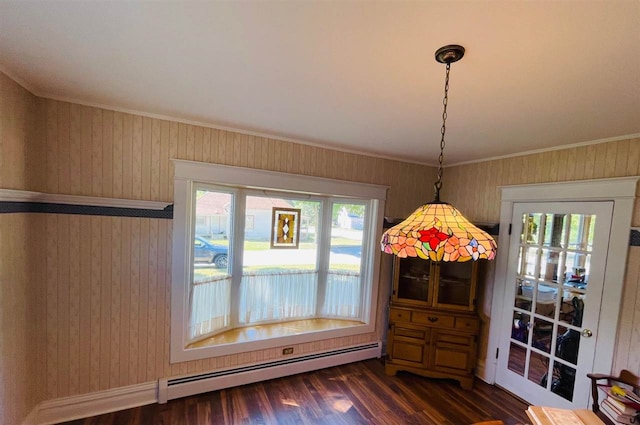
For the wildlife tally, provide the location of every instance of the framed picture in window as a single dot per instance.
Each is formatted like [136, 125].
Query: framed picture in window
[285, 229]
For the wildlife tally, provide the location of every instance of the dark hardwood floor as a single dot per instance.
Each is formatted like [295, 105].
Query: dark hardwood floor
[357, 393]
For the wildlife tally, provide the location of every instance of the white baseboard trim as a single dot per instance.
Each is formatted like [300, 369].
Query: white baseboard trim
[31, 418]
[82, 406]
[86, 405]
[172, 388]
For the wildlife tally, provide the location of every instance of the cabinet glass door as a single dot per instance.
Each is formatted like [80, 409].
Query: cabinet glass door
[413, 277]
[456, 288]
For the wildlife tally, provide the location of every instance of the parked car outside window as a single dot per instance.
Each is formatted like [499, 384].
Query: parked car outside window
[203, 250]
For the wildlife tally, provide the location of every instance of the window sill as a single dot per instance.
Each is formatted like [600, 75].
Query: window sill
[274, 330]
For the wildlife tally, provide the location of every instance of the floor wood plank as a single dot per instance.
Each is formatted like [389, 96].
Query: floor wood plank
[357, 393]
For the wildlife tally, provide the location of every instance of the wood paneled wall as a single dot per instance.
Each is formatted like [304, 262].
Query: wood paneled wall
[627, 354]
[97, 152]
[107, 302]
[19, 391]
[475, 190]
[108, 279]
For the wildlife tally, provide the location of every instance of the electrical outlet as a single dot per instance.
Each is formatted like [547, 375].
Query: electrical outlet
[288, 350]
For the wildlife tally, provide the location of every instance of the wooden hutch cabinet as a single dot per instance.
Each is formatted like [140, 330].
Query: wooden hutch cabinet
[433, 324]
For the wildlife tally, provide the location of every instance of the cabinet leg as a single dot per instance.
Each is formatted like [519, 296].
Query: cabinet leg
[390, 371]
[466, 384]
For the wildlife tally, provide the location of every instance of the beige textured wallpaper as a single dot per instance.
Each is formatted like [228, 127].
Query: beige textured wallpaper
[19, 391]
[475, 190]
[108, 279]
[97, 152]
[628, 341]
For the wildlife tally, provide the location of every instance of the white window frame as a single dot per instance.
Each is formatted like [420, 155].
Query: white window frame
[189, 173]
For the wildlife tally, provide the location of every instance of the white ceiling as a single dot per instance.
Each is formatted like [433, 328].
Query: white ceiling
[353, 75]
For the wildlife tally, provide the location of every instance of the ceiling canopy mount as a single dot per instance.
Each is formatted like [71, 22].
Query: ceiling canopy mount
[450, 53]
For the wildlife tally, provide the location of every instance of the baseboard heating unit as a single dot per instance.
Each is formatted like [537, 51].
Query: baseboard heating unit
[172, 388]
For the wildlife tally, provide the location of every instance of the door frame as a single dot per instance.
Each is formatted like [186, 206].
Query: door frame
[622, 191]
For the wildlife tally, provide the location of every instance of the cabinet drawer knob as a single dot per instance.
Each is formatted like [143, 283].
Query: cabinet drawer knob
[432, 319]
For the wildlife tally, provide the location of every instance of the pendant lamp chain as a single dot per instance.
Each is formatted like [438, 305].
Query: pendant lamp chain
[437, 231]
[438, 184]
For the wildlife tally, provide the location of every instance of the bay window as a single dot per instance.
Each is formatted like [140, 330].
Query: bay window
[253, 247]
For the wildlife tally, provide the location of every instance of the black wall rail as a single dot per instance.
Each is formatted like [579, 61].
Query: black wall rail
[19, 201]
[53, 208]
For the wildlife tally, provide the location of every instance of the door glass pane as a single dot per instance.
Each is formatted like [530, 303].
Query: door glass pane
[532, 229]
[568, 344]
[554, 231]
[520, 265]
[530, 261]
[577, 269]
[542, 330]
[538, 367]
[546, 300]
[517, 358]
[523, 294]
[563, 380]
[591, 229]
[581, 232]
[573, 303]
[550, 292]
[520, 327]
[549, 264]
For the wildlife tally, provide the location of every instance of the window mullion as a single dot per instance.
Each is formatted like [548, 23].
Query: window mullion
[324, 244]
[369, 244]
[237, 250]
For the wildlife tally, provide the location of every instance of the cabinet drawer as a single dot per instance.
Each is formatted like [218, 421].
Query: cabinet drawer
[396, 315]
[421, 334]
[428, 318]
[446, 338]
[467, 324]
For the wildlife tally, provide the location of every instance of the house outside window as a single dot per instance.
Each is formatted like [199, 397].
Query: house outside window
[249, 221]
[329, 273]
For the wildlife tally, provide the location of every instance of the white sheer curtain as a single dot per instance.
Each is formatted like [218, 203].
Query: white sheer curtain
[343, 296]
[210, 304]
[277, 296]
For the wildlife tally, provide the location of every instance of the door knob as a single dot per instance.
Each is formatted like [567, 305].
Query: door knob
[587, 333]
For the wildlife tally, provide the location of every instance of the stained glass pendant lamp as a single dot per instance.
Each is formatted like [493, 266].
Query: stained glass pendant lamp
[437, 231]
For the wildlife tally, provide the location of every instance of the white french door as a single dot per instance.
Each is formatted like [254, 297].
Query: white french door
[552, 300]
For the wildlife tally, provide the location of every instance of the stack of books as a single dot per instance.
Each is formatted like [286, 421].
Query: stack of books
[622, 406]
